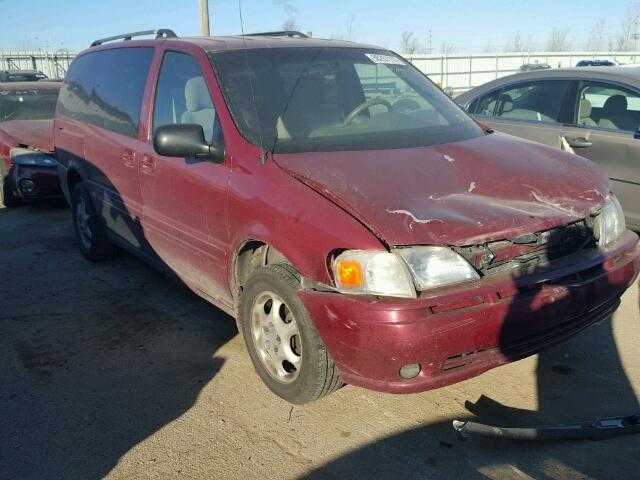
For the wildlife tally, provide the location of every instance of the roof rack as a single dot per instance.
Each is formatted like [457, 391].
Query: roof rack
[160, 33]
[284, 33]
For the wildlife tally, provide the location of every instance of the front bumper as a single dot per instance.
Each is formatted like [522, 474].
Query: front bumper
[45, 179]
[460, 331]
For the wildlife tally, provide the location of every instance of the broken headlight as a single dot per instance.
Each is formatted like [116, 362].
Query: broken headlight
[433, 267]
[609, 224]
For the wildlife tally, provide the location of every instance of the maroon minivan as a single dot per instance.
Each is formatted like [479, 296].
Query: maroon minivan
[357, 223]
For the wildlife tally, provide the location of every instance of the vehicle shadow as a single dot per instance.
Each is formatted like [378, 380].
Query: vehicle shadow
[95, 357]
[580, 379]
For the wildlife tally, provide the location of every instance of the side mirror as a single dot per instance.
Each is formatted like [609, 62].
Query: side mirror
[186, 141]
[485, 128]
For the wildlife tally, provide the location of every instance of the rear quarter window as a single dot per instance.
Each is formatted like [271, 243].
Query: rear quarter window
[105, 88]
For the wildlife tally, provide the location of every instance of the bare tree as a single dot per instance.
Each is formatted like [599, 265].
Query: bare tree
[291, 24]
[595, 40]
[349, 32]
[558, 41]
[514, 44]
[287, 5]
[446, 48]
[518, 44]
[625, 39]
[409, 44]
[611, 44]
[349, 26]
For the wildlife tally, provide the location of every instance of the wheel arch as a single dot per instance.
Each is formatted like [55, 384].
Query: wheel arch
[248, 257]
[73, 178]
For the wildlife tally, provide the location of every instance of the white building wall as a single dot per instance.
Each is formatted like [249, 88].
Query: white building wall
[462, 72]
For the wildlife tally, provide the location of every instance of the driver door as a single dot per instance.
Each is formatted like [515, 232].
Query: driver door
[185, 200]
[535, 110]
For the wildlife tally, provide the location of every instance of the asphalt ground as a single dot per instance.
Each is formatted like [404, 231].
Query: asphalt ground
[112, 370]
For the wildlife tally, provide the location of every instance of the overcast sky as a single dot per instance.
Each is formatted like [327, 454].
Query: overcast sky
[468, 25]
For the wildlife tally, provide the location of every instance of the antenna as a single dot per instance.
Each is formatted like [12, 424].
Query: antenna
[263, 153]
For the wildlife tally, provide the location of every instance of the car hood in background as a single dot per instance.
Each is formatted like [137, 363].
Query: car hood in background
[489, 188]
[36, 134]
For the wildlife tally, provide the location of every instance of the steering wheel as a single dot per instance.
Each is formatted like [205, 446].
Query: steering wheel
[363, 106]
[406, 105]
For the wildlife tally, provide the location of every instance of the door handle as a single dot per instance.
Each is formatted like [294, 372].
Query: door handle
[579, 142]
[129, 158]
[148, 164]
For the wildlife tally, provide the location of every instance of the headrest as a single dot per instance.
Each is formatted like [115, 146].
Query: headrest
[616, 104]
[585, 108]
[310, 91]
[197, 95]
[506, 102]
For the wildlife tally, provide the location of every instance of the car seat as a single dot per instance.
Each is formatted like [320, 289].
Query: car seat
[585, 114]
[615, 114]
[199, 106]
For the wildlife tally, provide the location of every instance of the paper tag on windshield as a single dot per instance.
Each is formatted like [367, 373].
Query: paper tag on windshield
[384, 59]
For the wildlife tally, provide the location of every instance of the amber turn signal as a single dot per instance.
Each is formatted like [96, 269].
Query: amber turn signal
[349, 273]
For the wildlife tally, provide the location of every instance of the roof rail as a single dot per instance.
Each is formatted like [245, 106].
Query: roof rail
[160, 33]
[284, 33]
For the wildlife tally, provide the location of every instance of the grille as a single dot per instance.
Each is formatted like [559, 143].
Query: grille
[529, 252]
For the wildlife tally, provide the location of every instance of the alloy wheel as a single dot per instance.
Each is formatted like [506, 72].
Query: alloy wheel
[276, 337]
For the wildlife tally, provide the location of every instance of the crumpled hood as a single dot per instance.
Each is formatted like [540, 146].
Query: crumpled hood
[37, 134]
[488, 188]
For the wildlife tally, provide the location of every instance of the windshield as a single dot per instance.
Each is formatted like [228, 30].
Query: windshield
[27, 105]
[328, 99]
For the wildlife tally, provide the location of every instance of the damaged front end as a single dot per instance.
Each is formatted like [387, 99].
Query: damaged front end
[530, 252]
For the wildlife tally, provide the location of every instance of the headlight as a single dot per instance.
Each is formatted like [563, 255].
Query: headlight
[436, 266]
[398, 274]
[609, 224]
[374, 273]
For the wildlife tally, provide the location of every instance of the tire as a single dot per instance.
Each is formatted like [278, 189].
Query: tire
[271, 340]
[89, 227]
[7, 192]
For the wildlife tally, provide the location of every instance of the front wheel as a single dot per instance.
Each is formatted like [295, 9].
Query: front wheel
[284, 345]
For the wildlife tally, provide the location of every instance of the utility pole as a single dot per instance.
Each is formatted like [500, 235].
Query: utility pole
[204, 18]
[430, 40]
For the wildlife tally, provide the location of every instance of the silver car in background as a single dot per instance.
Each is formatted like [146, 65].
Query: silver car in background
[590, 111]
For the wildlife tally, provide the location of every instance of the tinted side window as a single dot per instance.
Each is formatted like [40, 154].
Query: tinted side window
[608, 106]
[532, 101]
[182, 96]
[486, 105]
[105, 88]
